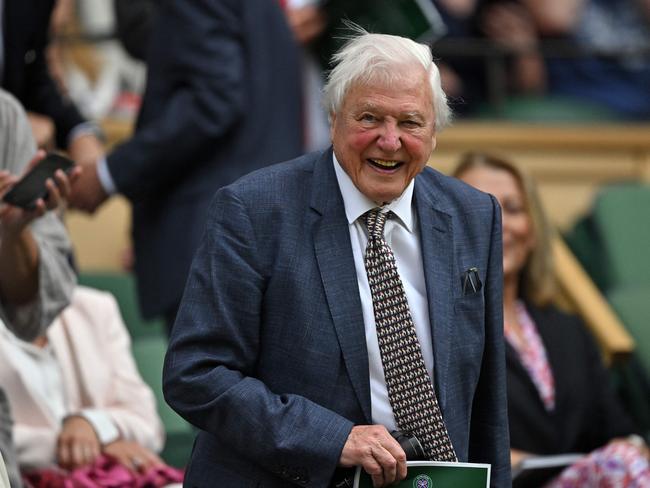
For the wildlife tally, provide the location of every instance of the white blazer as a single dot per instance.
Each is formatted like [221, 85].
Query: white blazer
[98, 371]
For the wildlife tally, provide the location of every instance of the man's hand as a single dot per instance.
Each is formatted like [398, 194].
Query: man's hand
[87, 192]
[77, 444]
[132, 455]
[517, 456]
[373, 448]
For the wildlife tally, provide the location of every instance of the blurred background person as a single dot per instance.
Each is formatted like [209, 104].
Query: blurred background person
[25, 73]
[76, 395]
[551, 61]
[490, 51]
[222, 99]
[610, 40]
[90, 65]
[560, 398]
[36, 276]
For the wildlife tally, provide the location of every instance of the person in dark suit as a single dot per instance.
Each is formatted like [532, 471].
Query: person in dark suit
[560, 398]
[220, 102]
[275, 354]
[25, 74]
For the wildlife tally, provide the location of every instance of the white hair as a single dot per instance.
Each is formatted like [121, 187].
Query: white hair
[369, 58]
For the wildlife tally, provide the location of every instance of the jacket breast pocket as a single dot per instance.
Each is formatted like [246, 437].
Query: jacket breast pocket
[472, 303]
[469, 320]
[468, 338]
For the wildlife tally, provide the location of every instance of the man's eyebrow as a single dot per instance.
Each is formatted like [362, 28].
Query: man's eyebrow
[413, 115]
[367, 107]
[371, 107]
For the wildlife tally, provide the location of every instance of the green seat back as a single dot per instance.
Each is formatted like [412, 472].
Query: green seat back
[547, 109]
[632, 305]
[149, 353]
[122, 287]
[622, 219]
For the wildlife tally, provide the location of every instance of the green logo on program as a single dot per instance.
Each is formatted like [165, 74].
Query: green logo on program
[422, 481]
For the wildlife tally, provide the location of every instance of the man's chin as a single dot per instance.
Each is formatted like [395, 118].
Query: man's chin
[384, 198]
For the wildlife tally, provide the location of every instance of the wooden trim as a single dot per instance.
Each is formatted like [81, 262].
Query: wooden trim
[508, 135]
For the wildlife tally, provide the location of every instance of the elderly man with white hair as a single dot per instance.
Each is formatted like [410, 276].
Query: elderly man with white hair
[345, 295]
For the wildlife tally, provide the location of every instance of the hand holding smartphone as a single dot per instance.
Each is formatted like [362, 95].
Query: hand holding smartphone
[31, 186]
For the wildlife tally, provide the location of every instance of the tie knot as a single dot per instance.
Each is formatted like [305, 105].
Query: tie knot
[375, 221]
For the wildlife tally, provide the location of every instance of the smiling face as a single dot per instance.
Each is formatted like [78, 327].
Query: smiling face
[383, 134]
[518, 234]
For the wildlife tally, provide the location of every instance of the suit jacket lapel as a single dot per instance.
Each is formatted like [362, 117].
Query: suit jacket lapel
[336, 265]
[436, 238]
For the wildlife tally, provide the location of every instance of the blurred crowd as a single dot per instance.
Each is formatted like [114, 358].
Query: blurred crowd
[220, 89]
[498, 57]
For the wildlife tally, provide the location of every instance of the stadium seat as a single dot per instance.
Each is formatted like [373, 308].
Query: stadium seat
[122, 287]
[547, 109]
[613, 243]
[622, 220]
[632, 304]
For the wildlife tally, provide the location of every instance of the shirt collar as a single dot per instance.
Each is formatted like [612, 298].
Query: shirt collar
[356, 203]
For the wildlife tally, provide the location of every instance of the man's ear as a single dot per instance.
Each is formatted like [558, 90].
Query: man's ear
[332, 119]
[434, 142]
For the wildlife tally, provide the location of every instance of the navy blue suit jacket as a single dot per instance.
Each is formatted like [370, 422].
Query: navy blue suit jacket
[222, 99]
[268, 354]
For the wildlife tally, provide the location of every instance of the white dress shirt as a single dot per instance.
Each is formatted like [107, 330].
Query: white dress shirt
[402, 235]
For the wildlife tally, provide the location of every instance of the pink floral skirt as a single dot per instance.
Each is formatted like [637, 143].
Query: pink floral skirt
[103, 473]
[616, 465]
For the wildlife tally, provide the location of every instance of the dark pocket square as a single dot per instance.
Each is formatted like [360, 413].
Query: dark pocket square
[471, 281]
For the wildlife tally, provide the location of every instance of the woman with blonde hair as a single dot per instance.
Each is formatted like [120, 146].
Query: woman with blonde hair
[559, 394]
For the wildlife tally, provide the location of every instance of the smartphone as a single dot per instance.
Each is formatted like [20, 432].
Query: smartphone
[31, 187]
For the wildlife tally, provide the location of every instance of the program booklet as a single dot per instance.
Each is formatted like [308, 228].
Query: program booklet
[436, 474]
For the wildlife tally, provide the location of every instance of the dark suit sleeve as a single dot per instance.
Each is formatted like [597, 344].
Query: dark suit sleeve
[41, 94]
[201, 43]
[489, 438]
[210, 367]
[134, 19]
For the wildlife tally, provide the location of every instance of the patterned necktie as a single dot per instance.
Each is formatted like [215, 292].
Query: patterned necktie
[410, 391]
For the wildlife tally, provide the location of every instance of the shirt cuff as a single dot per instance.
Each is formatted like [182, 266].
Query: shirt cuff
[294, 4]
[85, 129]
[104, 427]
[105, 178]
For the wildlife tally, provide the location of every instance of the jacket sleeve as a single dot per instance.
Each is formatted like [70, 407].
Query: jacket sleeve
[130, 403]
[209, 370]
[200, 45]
[56, 280]
[489, 439]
